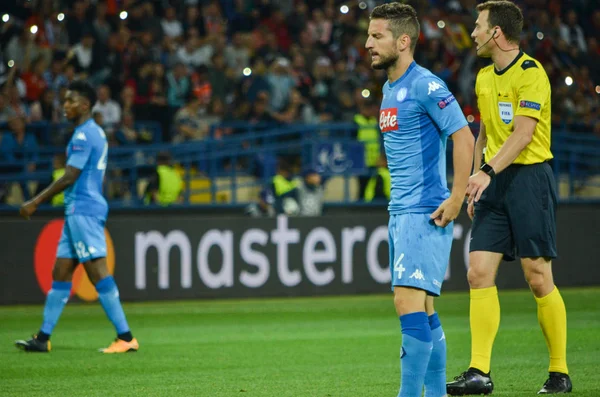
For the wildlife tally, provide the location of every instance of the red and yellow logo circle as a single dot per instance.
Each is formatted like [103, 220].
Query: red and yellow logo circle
[45, 255]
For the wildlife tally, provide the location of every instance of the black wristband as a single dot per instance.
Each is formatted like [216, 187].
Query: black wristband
[485, 167]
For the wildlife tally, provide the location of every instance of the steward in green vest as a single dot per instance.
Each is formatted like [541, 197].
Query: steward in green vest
[380, 184]
[166, 186]
[367, 132]
[367, 121]
[58, 166]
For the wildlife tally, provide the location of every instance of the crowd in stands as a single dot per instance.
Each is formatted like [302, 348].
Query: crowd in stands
[190, 64]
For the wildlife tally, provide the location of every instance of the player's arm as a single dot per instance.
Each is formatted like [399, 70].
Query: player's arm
[462, 159]
[81, 149]
[441, 106]
[67, 179]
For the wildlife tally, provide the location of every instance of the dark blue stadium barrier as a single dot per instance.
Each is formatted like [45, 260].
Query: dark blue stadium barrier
[254, 153]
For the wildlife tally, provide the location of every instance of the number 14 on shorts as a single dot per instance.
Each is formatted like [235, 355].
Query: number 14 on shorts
[398, 268]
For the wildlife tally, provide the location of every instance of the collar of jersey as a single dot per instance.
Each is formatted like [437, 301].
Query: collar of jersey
[83, 124]
[510, 65]
[410, 67]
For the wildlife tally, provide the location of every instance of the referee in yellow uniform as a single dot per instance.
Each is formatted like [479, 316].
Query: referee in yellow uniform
[512, 197]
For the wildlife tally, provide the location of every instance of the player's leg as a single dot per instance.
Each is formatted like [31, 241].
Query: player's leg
[58, 296]
[435, 377]
[416, 339]
[491, 239]
[91, 241]
[535, 238]
[420, 256]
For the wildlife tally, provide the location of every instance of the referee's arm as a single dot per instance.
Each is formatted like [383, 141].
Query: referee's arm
[517, 141]
[522, 134]
[479, 146]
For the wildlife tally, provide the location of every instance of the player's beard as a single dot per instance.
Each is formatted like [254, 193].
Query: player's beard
[386, 62]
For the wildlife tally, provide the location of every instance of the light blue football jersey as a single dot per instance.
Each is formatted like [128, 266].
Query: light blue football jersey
[418, 114]
[87, 151]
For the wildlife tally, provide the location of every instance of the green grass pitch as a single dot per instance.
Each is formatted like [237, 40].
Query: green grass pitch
[340, 346]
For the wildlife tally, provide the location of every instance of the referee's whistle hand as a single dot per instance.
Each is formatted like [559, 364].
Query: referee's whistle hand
[477, 185]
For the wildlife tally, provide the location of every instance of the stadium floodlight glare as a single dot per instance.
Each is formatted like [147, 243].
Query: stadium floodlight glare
[33, 29]
[539, 35]
[123, 15]
[569, 80]
[60, 17]
[247, 72]
[344, 9]
[441, 24]
[366, 93]
[11, 63]
[362, 5]
[598, 89]
[5, 18]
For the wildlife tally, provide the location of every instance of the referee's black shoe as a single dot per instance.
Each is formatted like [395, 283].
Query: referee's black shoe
[557, 383]
[470, 382]
[34, 345]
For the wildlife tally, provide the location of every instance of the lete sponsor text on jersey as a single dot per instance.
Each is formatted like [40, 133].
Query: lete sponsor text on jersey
[388, 119]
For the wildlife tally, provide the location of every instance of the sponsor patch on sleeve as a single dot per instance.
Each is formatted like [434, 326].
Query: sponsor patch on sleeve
[530, 105]
[446, 101]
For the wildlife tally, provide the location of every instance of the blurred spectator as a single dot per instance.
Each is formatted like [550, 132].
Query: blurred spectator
[170, 25]
[280, 82]
[572, 33]
[47, 108]
[109, 108]
[178, 86]
[189, 124]
[82, 53]
[19, 145]
[129, 133]
[34, 79]
[310, 193]
[237, 54]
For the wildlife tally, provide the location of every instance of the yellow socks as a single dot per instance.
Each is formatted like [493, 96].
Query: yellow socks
[485, 321]
[552, 317]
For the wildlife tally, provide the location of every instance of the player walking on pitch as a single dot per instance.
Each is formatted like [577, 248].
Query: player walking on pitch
[512, 199]
[417, 115]
[82, 239]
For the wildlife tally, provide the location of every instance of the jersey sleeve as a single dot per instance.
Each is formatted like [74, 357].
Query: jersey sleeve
[533, 92]
[439, 103]
[81, 149]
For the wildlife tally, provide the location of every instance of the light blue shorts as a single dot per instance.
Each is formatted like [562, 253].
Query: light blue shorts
[419, 252]
[82, 238]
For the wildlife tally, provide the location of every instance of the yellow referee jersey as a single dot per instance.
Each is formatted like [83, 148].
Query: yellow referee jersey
[522, 89]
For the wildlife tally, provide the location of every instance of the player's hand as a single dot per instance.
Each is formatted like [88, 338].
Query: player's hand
[447, 211]
[27, 209]
[471, 209]
[477, 184]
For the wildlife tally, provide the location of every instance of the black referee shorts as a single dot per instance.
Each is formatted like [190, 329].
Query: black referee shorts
[516, 214]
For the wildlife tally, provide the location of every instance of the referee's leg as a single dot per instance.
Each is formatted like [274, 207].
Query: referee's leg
[552, 316]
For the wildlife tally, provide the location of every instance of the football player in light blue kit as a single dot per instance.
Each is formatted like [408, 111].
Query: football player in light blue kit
[82, 239]
[417, 115]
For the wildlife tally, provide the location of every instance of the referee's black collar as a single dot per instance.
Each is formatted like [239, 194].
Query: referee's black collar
[500, 73]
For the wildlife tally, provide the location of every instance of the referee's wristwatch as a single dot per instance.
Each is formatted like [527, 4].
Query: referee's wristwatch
[485, 167]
